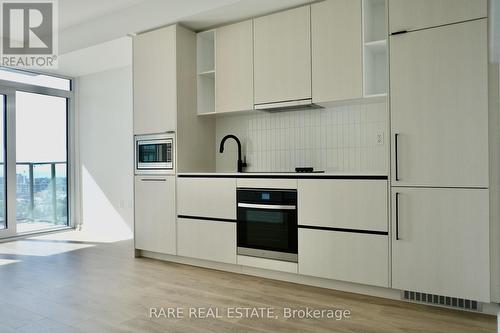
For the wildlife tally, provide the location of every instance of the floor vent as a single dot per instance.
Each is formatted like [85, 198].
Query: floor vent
[451, 302]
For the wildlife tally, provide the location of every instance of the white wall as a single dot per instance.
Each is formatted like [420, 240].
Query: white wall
[97, 58]
[104, 104]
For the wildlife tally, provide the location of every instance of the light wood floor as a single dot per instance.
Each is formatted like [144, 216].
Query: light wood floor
[51, 285]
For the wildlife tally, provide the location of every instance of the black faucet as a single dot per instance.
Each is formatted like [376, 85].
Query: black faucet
[241, 164]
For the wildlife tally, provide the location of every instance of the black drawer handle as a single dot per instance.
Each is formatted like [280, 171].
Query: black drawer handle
[397, 216]
[399, 32]
[396, 157]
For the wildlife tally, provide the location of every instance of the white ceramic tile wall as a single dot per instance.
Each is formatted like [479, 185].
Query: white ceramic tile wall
[337, 139]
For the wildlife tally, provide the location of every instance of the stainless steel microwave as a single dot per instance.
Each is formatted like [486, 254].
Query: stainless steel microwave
[154, 154]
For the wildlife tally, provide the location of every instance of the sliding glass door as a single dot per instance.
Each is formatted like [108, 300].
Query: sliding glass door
[41, 162]
[35, 168]
[3, 194]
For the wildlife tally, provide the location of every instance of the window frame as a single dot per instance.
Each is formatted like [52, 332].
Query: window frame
[9, 89]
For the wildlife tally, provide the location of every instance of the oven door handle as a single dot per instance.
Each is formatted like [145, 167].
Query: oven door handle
[259, 206]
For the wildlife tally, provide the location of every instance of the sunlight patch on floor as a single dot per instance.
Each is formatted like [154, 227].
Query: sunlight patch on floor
[87, 234]
[8, 261]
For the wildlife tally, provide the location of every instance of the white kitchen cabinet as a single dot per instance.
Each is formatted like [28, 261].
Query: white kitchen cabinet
[336, 50]
[282, 56]
[439, 106]
[155, 220]
[354, 257]
[234, 64]
[155, 81]
[343, 203]
[207, 197]
[164, 82]
[441, 242]
[413, 15]
[208, 240]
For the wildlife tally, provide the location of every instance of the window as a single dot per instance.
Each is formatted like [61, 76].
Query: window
[39, 107]
[41, 150]
[34, 79]
[3, 208]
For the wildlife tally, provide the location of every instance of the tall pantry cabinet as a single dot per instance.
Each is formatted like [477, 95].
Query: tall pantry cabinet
[164, 80]
[439, 129]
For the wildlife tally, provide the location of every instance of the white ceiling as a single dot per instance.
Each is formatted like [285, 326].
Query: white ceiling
[75, 12]
[84, 23]
[238, 11]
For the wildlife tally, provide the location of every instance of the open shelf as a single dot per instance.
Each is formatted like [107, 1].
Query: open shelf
[205, 51]
[374, 48]
[374, 20]
[205, 67]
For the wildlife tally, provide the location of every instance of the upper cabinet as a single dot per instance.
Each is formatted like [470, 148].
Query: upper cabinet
[234, 66]
[408, 15]
[282, 56]
[234, 63]
[336, 50]
[439, 106]
[225, 69]
[154, 70]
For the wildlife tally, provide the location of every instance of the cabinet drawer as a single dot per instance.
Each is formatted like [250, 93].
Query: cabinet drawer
[340, 203]
[353, 257]
[207, 197]
[275, 265]
[209, 240]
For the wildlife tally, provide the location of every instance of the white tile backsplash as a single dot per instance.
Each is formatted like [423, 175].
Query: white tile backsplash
[336, 139]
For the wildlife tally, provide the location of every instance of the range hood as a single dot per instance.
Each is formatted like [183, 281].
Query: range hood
[299, 104]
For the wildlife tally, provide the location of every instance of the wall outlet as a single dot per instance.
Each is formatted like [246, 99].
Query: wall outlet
[380, 138]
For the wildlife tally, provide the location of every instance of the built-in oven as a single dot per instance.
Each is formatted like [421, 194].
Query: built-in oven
[154, 154]
[267, 223]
